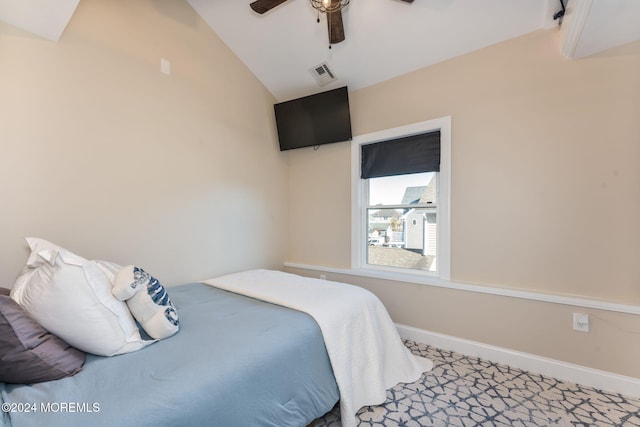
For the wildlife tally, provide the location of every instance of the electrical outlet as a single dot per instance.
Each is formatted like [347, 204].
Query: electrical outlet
[581, 322]
[165, 66]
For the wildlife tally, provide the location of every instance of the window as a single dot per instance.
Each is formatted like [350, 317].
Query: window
[400, 204]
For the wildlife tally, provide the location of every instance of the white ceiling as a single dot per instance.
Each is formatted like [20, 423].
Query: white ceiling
[384, 38]
[602, 24]
[45, 18]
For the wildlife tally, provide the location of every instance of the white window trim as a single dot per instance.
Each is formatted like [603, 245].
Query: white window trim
[358, 186]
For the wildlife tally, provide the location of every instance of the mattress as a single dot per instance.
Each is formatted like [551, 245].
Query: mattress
[236, 361]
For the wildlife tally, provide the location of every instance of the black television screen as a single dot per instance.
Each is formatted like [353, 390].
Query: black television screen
[317, 119]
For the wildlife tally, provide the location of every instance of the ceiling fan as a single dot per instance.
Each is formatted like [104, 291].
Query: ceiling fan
[333, 9]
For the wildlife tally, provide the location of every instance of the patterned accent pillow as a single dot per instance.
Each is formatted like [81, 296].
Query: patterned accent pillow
[30, 354]
[147, 300]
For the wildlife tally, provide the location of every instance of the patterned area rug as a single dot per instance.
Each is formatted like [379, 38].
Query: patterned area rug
[467, 391]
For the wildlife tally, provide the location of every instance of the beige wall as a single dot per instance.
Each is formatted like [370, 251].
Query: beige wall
[103, 154]
[545, 195]
[320, 205]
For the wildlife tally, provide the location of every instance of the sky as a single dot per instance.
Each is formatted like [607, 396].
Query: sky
[390, 190]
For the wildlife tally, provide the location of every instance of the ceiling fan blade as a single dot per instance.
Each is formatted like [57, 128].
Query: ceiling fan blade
[262, 6]
[336, 28]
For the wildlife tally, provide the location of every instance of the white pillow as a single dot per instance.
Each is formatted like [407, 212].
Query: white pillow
[71, 297]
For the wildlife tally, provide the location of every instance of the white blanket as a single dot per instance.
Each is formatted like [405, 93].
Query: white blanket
[366, 352]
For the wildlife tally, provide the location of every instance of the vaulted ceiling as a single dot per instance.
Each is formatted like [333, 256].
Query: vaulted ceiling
[384, 38]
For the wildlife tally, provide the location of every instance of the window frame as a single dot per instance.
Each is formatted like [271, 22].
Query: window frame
[360, 191]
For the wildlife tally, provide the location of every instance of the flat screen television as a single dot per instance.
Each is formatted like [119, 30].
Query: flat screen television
[322, 118]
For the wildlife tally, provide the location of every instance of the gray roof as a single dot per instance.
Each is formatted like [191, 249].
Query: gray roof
[422, 194]
[412, 195]
[387, 213]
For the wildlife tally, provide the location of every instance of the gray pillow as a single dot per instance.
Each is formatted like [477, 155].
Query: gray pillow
[30, 354]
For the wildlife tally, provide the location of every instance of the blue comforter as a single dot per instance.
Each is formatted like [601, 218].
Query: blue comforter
[235, 362]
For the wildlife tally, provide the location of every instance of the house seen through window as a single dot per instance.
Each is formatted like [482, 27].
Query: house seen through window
[402, 221]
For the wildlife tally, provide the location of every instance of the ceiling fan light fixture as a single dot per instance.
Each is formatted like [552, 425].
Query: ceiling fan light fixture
[332, 8]
[329, 6]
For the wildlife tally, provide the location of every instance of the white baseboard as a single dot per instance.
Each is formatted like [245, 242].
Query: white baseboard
[590, 377]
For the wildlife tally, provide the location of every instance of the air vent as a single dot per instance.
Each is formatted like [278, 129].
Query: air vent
[323, 74]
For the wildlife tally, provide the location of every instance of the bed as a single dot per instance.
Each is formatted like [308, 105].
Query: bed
[236, 361]
[254, 348]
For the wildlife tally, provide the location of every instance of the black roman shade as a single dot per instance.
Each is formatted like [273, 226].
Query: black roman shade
[401, 156]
